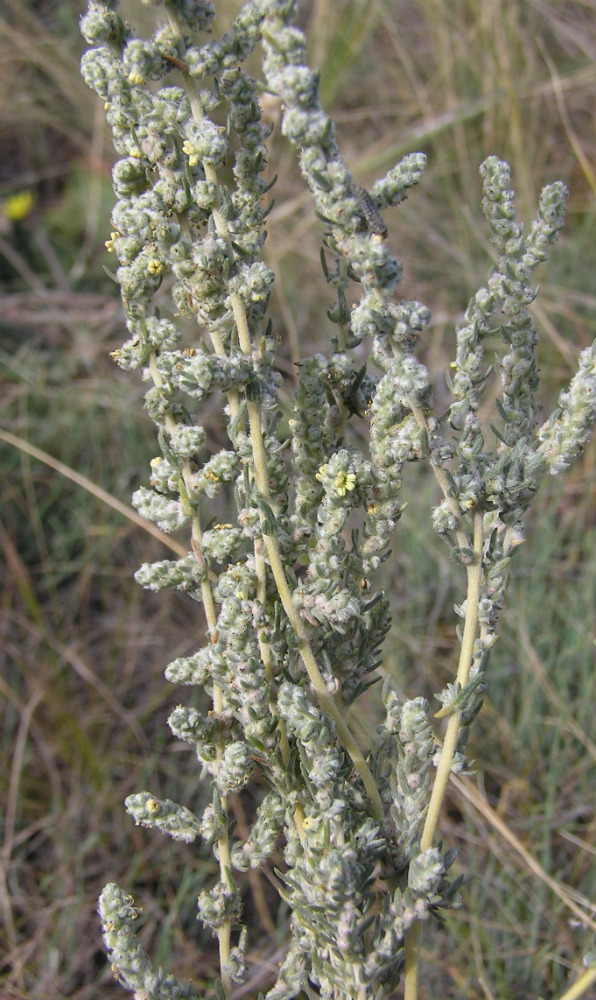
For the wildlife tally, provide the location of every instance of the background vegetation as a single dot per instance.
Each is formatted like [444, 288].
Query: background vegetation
[84, 702]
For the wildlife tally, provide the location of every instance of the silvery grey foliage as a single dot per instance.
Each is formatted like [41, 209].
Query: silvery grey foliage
[286, 653]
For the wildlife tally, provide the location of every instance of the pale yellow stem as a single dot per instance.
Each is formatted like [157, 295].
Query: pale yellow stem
[465, 662]
[580, 985]
[412, 936]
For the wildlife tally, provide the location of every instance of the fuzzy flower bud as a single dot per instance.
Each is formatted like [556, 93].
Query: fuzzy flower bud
[129, 961]
[163, 815]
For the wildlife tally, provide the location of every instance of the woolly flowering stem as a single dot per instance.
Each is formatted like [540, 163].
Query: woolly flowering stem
[326, 700]
[260, 460]
[225, 864]
[277, 568]
[442, 480]
[563, 437]
[130, 964]
[196, 530]
[223, 843]
[412, 937]
[225, 927]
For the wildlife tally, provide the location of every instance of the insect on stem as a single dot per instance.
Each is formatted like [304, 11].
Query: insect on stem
[370, 213]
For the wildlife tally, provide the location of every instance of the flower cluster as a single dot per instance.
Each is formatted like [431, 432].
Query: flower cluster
[294, 619]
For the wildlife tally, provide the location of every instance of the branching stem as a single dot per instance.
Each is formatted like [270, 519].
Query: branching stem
[326, 700]
[286, 613]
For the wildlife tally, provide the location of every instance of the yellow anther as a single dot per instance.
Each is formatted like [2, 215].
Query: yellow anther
[344, 482]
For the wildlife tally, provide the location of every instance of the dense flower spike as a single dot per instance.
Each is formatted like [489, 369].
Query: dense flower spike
[294, 624]
[130, 964]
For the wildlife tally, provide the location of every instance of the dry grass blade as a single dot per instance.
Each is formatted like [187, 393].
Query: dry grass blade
[572, 899]
[571, 133]
[11, 814]
[93, 488]
[563, 713]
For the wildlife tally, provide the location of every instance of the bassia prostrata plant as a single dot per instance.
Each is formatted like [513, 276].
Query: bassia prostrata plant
[294, 613]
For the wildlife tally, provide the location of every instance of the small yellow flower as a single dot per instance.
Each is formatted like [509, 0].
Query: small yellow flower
[136, 78]
[188, 148]
[344, 482]
[155, 266]
[18, 206]
[109, 244]
[152, 805]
